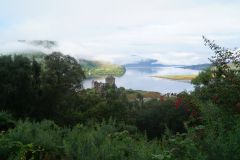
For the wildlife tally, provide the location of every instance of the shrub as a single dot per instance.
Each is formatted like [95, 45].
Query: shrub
[156, 116]
[6, 121]
[44, 140]
[39, 140]
[221, 133]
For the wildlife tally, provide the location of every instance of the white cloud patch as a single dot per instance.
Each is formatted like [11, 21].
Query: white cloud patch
[186, 58]
[17, 47]
[169, 31]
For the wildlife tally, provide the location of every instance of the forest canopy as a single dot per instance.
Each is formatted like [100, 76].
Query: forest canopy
[43, 116]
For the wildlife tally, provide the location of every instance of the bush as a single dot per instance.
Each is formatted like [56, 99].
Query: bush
[39, 140]
[45, 140]
[6, 121]
[221, 133]
[157, 116]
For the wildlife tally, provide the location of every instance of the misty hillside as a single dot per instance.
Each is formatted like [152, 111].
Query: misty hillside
[40, 43]
[38, 49]
[145, 63]
[100, 69]
[197, 67]
[91, 68]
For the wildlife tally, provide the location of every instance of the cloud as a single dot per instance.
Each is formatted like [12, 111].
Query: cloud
[114, 30]
[17, 47]
[186, 58]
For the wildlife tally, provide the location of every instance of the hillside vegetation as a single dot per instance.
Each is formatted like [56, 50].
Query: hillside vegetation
[101, 69]
[91, 68]
[43, 117]
[41, 43]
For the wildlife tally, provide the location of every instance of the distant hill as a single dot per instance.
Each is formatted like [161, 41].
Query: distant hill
[197, 67]
[154, 63]
[40, 43]
[145, 63]
[88, 64]
[100, 69]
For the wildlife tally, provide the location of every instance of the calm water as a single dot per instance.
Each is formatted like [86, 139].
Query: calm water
[140, 79]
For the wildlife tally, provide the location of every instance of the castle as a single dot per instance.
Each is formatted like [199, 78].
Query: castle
[100, 86]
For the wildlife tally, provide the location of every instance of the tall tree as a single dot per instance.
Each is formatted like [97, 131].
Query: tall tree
[16, 87]
[221, 83]
[61, 74]
[62, 71]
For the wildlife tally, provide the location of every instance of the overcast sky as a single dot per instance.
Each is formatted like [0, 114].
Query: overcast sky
[115, 30]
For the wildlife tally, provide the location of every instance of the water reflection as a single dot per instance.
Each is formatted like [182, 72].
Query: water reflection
[140, 79]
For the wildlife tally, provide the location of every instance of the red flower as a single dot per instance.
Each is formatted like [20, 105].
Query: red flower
[178, 103]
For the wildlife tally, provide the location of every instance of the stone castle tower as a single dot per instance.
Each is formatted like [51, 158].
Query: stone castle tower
[100, 87]
[110, 80]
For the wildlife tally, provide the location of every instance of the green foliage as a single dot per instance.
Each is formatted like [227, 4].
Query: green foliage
[45, 140]
[31, 139]
[220, 135]
[156, 116]
[6, 121]
[62, 71]
[112, 104]
[180, 147]
[101, 69]
[221, 84]
[29, 89]
[18, 82]
[201, 125]
[203, 78]
[36, 55]
[107, 141]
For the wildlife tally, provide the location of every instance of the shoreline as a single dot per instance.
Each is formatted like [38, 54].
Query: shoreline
[177, 77]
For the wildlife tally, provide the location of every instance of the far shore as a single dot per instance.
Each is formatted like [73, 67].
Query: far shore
[176, 77]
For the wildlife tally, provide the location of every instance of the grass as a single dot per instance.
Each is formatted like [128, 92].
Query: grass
[177, 77]
[132, 94]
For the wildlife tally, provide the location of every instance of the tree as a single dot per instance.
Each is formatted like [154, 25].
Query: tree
[61, 74]
[221, 83]
[156, 116]
[17, 79]
[62, 71]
